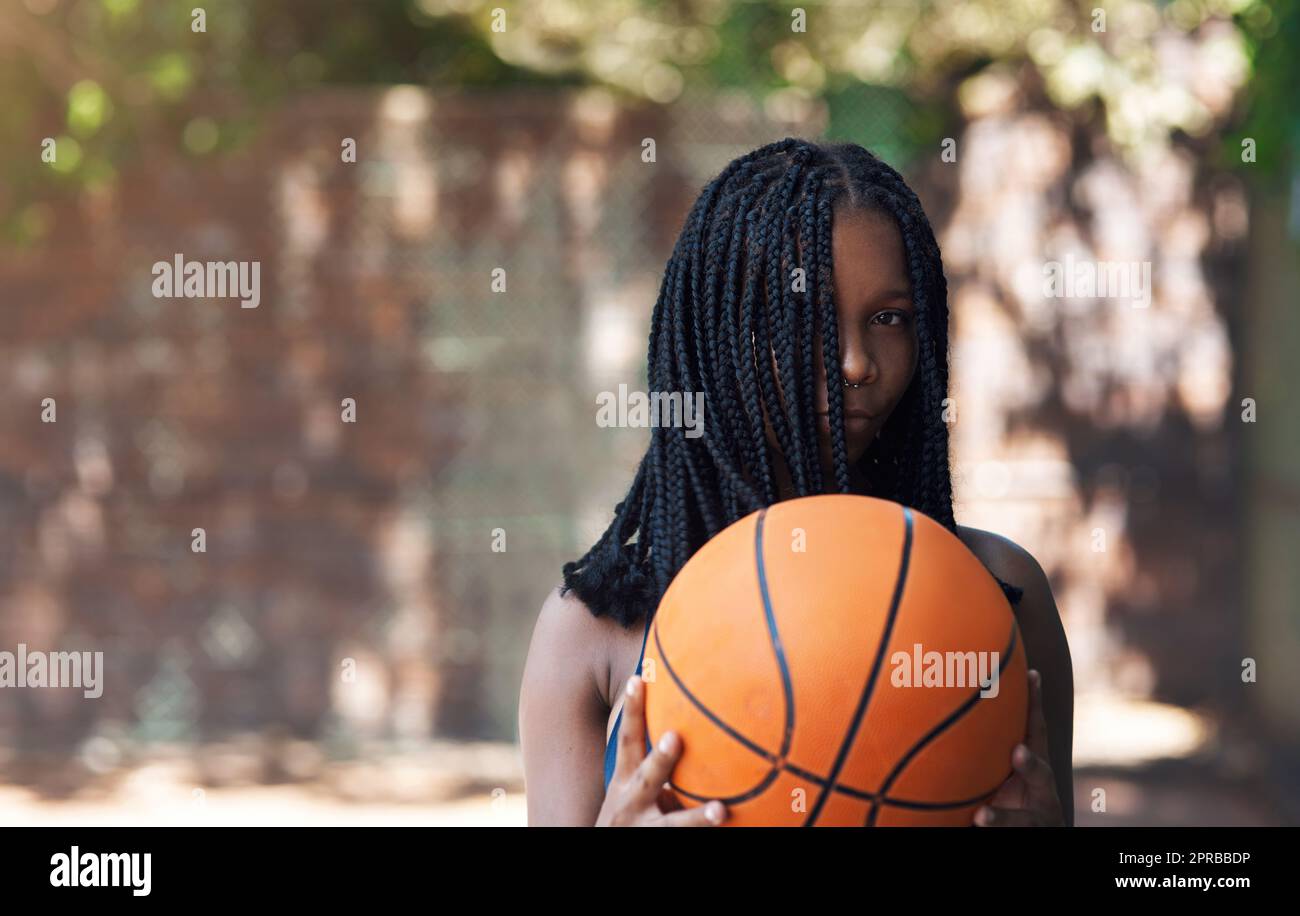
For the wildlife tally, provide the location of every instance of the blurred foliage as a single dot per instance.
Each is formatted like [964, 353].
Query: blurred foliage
[1272, 115]
[104, 78]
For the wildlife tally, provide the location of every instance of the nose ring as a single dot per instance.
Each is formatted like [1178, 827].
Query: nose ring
[848, 384]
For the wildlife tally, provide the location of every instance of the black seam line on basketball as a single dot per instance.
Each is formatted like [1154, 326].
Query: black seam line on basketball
[889, 800]
[939, 729]
[774, 635]
[751, 745]
[938, 806]
[775, 761]
[966, 707]
[859, 795]
[885, 798]
[860, 713]
[773, 770]
[708, 713]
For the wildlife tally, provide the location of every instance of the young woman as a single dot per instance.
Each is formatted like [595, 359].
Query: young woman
[806, 299]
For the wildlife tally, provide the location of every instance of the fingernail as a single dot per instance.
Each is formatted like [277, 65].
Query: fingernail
[631, 685]
[713, 811]
[666, 742]
[983, 817]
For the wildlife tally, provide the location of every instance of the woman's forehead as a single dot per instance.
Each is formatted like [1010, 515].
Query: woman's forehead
[868, 250]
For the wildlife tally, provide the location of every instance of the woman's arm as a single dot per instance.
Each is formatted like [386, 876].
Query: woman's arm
[562, 716]
[1046, 648]
[563, 711]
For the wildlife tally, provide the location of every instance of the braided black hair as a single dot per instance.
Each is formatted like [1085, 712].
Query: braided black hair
[725, 308]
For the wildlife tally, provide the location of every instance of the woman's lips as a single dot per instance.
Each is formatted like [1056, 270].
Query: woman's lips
[850, 413]
[856, 422]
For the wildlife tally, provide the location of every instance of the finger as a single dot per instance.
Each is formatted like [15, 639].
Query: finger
[668, 800]
[1035, 771]
[651, 778]
[631, 730]
[710, 815]
[989, 816]
[1036, 724]
[645, 774]
[1013, 793]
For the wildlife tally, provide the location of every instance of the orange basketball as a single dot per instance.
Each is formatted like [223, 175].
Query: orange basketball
[835, 661]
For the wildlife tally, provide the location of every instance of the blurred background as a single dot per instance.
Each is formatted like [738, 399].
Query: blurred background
[348, 648]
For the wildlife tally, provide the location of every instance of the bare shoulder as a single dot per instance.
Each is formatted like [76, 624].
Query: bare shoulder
[566, 635]
[1004, 558]
[561, 715]
[568, 638]
[1008, 561]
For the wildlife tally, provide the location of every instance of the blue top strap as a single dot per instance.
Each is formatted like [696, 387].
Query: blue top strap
[611, 747]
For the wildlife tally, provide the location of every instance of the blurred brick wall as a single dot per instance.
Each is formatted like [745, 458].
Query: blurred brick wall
[370, 541]
[1105, 436]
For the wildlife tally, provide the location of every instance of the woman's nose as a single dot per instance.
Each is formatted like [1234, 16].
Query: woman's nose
[857, 365]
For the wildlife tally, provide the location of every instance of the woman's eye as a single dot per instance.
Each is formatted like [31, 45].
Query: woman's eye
[901, 316]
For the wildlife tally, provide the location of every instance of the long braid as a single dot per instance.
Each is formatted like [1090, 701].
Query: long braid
[749, 445]
[773, 233]
[831, 343]
[806, 369]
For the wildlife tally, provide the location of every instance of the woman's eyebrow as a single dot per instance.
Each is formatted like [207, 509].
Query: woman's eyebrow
[891, 294]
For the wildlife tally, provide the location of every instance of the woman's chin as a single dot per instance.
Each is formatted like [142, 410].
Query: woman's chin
[856, 446]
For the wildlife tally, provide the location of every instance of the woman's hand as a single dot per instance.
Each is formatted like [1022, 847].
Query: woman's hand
[638, 793]
[1028, 798]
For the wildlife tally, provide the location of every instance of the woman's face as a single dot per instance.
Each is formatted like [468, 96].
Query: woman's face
[877, 332]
